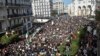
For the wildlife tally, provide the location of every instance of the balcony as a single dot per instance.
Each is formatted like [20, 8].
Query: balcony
[10, 16]
[17, 5]
[1, 32]
[16, 26]
[2, 18]
[12, 5]
[2, 4]
[19, 15]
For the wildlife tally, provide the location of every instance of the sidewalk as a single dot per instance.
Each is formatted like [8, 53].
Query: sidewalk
[98, 41]
[98, 45]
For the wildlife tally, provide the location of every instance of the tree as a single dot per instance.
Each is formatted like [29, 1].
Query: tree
[97, 17]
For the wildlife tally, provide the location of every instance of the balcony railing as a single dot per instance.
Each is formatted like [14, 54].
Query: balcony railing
[2, 18]
[16, 5]
[0, 30]
[18, 15]
[15, 26]
[1, 4]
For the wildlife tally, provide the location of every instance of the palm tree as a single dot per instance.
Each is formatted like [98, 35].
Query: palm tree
[97, 17]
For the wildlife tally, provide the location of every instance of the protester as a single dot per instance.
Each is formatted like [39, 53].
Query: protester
[47, 41]
[89, 42]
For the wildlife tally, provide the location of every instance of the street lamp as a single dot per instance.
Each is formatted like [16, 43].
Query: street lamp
[9, 23]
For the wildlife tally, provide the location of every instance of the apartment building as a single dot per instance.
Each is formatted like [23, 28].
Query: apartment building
[70, 9]
[65, 9]
[15, 14]
[58, 5]
[42, 8]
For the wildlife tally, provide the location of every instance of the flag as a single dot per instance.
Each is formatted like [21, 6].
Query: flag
[73, 36]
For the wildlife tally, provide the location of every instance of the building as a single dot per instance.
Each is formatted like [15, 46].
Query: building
[98, 5]
[66, 9]
[70, 9]
[84, 7]
[42, 8]
[58, 5]
[16, 15]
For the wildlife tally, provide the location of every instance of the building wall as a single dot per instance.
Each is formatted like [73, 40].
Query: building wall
[13, 13]
[98, 5]
[84, 7]
[42, 8]
[71, 9]
[65, 9]
[59, 6]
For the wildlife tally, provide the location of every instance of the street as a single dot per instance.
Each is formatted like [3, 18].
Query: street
[48, 39]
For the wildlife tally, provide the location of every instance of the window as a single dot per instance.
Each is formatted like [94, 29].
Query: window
[28, 19]
[15, 1]
[14, 22]
[6, 2]
[18, 21]
[27, 11]
[12, 11]
[15, 12]
[29, 24]
[8, 11]
[0, 26]
[18, 11]
[24, 20]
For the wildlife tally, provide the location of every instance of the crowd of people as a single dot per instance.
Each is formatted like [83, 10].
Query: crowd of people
[88, 43]
[47, 41]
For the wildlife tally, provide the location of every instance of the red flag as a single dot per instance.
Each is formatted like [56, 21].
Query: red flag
[73, 36]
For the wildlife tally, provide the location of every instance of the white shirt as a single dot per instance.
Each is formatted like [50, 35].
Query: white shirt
[89, 28]
[95, 32]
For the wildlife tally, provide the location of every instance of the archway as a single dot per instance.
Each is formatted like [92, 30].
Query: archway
[79, 11]
[89, 10]
[84, 10]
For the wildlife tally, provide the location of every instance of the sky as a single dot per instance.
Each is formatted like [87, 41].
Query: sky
[67, 2]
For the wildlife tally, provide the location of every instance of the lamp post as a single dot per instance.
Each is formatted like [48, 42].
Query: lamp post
[9, 23]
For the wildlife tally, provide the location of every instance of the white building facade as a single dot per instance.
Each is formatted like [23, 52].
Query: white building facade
[42, 8]
[83, 7]
[14, 14]
[70, 9]
[98, 5]
[65, 9]
[58, 5]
